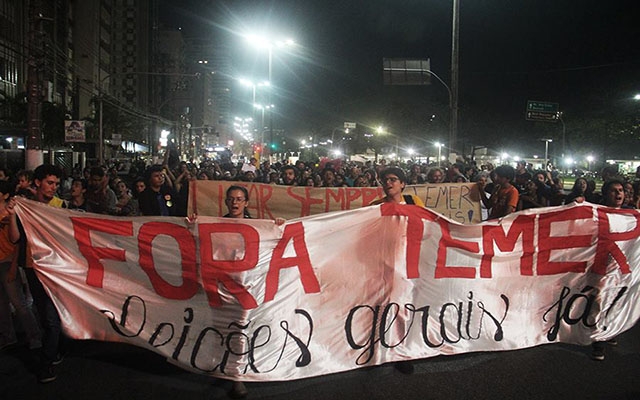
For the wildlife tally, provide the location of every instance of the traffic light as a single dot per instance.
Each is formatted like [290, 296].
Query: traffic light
[274, 146]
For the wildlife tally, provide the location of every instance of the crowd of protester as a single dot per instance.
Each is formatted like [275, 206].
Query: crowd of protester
[163, 189]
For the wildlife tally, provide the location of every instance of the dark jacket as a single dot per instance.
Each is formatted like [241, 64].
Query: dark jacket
[163, 202]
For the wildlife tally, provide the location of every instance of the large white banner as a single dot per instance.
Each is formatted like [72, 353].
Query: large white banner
[253, 301]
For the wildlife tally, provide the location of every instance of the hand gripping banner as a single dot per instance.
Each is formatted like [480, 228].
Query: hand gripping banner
[250, 300]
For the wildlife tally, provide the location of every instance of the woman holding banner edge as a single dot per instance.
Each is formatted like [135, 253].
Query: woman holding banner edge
[393, 182]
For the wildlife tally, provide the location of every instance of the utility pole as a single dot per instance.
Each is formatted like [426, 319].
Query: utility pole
[453, 127]
[33, 155]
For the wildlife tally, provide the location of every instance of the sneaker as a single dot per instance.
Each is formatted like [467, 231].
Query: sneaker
[613, 342]
[597, 354]
[47, 374]
[58, 360]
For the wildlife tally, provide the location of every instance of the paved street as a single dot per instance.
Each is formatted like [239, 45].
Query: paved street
[95, 371]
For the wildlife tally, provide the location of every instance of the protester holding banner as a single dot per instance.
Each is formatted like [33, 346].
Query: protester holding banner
[47, 180]
[505, 197]
[612, 196]
[393, 183]
[237, 200]
[11, 288]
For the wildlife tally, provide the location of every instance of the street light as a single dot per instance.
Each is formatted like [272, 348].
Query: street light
[564, 130]
[262, 108]
[453, 112]
[590, 159]
[333, 133]
[546, 151]
[263, 42]
[253, 85]
[439, 146]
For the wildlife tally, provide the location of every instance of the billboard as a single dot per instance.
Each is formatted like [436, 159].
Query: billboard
[401, 71]
[74, 131]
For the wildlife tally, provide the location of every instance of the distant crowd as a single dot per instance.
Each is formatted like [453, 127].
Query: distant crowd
[163, 189]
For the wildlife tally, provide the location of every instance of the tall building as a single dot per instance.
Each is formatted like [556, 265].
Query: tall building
[220, 65]
[91, 53]
[112, 55]
[13, 19]
[131, 52]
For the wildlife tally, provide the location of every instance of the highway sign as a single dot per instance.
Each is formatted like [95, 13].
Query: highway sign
[542, 111]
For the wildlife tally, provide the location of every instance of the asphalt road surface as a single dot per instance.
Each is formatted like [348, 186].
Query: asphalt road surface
[95, 370]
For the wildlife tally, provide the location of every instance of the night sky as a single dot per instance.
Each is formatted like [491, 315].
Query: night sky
[584, 55]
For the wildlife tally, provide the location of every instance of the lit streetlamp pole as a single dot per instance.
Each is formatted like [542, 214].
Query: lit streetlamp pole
[262, 108]
[564, 130]
[253, 86]
[263, 42]
[546, 151]
[453, 112]
[380, 130]
[453, 103]
[333, 133]
[439, 146]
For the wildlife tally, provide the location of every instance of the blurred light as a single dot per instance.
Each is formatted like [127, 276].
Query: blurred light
[410, 151]
[568, 161]
[590, 158]
[636, 97]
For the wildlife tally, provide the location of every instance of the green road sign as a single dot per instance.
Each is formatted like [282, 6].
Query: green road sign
[542, 111]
